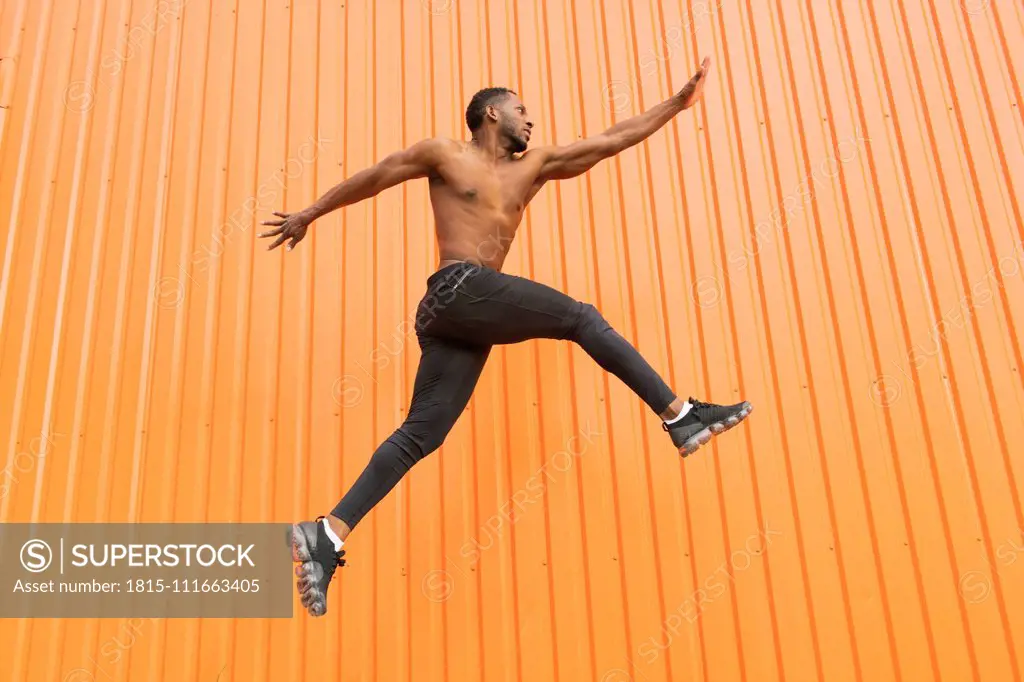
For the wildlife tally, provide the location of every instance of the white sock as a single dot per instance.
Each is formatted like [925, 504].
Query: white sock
[682, 413]
[332, 535]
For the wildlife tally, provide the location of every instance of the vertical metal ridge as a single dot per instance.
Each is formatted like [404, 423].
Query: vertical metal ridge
[10, 53]
[50, 170]
[562, 267]
[586, 555]
[747, 203]
[523, 653]
[744, 197]
[92, 318]
[667, 294]
[531, 658]
[446, 663]
[990, 540]
[409, 303]
[842, 359]
[230, 630]
[700, 664]
[19, 189]
[930, 288]
[267, 431]
[241, 305]
[56, 634]
[375, 296]
[804, 344]
[47, 228]
[1008, 63]
[208, 363]
[659, 292]
[341, 601]
[603, 58]
[27, 135]
[945, 352]
[149, 339]
[902, 316]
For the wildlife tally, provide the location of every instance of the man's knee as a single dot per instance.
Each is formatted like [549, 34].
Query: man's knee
[424, 432]
[588, 318]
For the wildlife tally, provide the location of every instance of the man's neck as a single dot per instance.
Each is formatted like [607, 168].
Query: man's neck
[490, 146]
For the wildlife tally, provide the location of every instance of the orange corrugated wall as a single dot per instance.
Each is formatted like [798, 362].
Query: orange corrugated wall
[835, 234]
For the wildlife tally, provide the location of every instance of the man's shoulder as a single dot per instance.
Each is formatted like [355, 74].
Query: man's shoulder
[536, 157]
[441, 143]
[433, 150]
[538, 153]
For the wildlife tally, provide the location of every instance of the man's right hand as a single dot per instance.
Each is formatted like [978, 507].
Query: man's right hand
[291, 226]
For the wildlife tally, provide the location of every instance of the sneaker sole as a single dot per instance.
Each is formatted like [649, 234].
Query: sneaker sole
[302, 537]
[700, 438]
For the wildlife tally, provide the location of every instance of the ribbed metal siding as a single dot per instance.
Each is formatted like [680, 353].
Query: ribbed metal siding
[835, 235]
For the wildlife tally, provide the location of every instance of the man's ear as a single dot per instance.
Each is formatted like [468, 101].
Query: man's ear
[492, 113]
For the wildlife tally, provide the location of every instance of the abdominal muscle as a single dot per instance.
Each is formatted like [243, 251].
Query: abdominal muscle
[473, 244]
[478, 223]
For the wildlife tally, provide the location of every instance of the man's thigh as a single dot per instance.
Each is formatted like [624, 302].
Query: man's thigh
[448, 372]
[492, 307]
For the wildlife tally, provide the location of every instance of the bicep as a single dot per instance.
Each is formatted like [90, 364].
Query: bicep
[417, 161]
[576, 158]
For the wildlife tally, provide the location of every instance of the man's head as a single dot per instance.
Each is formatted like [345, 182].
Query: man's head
[500, 110]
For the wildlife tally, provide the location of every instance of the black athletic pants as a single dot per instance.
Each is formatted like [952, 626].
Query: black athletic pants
[467, 309]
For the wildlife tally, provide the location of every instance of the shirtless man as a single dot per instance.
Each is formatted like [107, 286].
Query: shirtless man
[479, 190]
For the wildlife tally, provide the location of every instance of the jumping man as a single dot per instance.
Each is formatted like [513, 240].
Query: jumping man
[479, 190]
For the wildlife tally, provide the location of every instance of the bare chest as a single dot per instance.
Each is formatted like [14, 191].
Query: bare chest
[501, 188]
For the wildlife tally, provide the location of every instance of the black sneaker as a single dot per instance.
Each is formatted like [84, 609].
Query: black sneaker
[315, 550]
[703, 421]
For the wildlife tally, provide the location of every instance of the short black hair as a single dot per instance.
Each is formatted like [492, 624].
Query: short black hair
[479, 103]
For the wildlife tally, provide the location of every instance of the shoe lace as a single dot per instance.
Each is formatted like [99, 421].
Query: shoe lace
[699, 403]
[337, 556]
[331, 566]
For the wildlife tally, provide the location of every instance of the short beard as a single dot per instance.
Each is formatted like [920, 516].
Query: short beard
[516, 142]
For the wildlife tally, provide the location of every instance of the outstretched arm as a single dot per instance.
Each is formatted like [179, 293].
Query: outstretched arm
[415, 162]
[559, 163]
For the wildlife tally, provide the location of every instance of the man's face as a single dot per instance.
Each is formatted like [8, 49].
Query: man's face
[516, 126]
